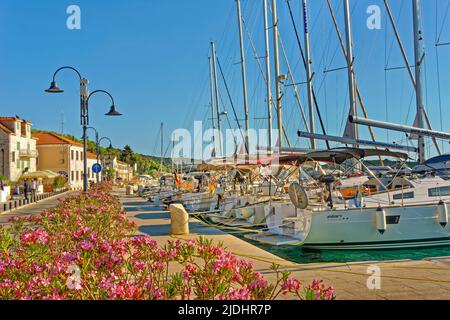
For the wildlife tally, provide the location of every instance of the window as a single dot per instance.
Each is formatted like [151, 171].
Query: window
[406, 195]
[78, 175]
[76, 155]
[18, 145]
[28, 147]
[71, 154]
[439, 191]
[72, 175]
[13, 155]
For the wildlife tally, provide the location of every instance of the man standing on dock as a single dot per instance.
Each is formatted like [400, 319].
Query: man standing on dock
[25, 189]
[33, 187]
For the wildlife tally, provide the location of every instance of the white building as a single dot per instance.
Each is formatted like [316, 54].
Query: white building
[17, 148]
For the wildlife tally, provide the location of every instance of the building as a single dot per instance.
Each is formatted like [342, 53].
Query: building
[122, 170]
[17, 148]
[64, 156]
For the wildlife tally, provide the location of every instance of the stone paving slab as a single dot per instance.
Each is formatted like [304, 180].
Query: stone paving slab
[34, 208]
[406, 279]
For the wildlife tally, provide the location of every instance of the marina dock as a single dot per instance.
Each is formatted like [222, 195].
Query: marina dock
[401, 279]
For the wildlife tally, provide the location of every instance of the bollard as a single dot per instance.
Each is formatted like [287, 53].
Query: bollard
[179, 219]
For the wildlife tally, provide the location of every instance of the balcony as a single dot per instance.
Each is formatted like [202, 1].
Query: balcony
[27, 153]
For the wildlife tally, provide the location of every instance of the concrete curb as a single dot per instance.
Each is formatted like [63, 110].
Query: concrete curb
[13, 205]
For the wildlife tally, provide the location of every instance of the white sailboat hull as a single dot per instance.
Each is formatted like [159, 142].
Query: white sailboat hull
[406, 227]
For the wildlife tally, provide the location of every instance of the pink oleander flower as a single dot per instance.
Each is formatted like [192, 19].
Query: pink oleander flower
[188, 271]
[291, 285]
[239, 294]
[258, 284]
[86, 245]
[68, 257]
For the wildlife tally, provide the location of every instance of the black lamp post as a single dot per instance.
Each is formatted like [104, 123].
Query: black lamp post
[98, 149]
[84, 112]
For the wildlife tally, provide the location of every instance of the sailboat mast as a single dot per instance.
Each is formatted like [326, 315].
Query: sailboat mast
[418, 57]
[162, 144]
[269, 94]
[277, 72]
[216, 86]
[351, 76]
[244, 77]
[211, 89]
[308, 72]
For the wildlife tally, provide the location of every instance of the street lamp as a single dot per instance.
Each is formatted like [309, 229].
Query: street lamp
[84, 111]
[99, 151]
[112, 112]
[97, 148]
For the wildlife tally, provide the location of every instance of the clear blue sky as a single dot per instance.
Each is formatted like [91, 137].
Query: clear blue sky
[152, 56]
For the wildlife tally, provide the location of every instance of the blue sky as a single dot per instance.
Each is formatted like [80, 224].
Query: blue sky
[152, 55]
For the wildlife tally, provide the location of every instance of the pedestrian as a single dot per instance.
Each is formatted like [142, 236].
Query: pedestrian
[33, 188]
[25, 189]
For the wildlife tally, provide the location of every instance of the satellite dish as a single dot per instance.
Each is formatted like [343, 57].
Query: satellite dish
[298, 196]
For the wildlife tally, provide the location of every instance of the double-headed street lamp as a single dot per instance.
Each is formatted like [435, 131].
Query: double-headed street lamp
[97, 148]
[84, 112]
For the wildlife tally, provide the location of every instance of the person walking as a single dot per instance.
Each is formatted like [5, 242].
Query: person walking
[33, 188]
[25, 189]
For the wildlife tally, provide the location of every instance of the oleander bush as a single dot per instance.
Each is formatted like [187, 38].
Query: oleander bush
[81, 249]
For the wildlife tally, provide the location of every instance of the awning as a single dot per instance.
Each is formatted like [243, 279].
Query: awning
[44, 174]
[339, 155]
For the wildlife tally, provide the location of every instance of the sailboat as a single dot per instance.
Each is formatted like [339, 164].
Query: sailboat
[414, 215]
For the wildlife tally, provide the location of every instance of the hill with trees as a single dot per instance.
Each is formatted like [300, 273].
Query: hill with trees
[145, 164]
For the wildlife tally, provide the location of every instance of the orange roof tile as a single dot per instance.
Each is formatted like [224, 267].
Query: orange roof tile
[6, 129]
[10, 119]
[52, 138]
[91, 155]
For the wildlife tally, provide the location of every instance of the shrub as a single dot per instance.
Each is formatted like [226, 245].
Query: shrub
[81, 249]
[59, 182]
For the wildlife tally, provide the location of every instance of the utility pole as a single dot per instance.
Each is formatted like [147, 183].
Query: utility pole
[211, 86]
[216, 86]
[244, 79]
[308, 72]
[418, 59]
[277, 71]
[269, 94]
[351, 128]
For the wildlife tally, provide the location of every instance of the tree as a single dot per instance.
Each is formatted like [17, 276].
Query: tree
[127, 155]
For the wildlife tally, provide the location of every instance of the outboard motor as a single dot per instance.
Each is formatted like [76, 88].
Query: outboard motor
[328, 179]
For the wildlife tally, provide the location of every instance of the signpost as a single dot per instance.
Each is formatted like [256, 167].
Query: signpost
[96, 168]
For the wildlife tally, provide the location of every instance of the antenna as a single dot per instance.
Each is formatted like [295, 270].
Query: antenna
[62, 122]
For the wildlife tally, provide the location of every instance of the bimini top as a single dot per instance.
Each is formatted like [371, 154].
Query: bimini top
[438, 159]
[339, 155]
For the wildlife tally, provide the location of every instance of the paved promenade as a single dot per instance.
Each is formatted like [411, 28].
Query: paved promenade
[407, 279]
[34, 208]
